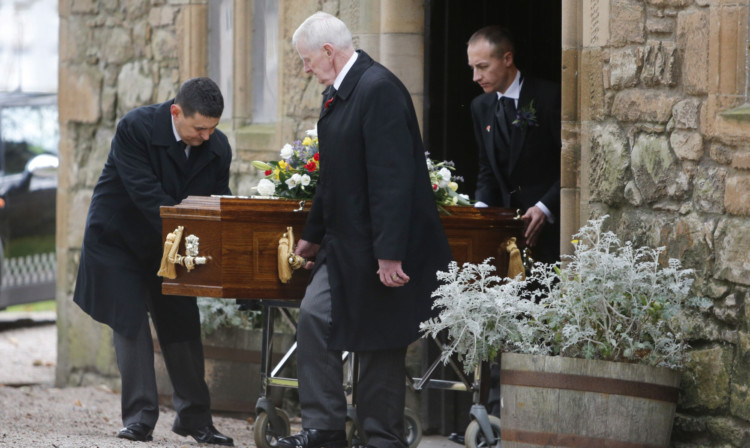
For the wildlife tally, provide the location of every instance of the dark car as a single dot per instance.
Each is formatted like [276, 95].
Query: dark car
[28, 191]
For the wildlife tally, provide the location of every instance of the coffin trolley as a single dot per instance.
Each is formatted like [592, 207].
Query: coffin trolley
[242, 248]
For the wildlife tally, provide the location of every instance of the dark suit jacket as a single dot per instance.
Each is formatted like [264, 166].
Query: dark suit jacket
[533, 171]
[374, 201]
[122, 243]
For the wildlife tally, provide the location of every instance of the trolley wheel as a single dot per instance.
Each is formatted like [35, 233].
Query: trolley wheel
[265, 435]
[474, 438]
[412, 428]
[412, 431]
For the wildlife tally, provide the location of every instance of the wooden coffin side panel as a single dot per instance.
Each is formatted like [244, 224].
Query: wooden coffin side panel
[242, 236]
[475, 234]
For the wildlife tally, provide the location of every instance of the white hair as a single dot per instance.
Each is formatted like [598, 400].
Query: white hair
[322, 28]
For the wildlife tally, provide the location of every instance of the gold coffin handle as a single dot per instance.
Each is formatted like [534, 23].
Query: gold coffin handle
[170, 258]
[515, 262]
[288, 261]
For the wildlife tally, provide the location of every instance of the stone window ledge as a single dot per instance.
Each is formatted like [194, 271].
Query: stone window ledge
[741, 113]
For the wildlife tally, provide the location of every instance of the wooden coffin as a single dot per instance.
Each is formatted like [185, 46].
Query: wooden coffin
[240, 238]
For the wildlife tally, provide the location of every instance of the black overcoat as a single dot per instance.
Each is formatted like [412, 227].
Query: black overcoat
[122, 244]
[374, 201]
[533, 170]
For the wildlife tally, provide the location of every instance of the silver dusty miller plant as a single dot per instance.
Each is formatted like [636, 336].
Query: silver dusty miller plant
[610, 301]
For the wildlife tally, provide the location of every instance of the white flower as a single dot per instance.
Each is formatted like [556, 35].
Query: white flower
[293, 181]
[266, 187]
[313, 133]
[445, 177]
[305, 180]
[287, 151]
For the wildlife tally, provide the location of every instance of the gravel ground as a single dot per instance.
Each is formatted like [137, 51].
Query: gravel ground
[34, 413]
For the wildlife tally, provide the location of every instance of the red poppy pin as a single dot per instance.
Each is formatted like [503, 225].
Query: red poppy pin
[328, 103]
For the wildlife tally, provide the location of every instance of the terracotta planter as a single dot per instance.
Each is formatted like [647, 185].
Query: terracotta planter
[553, 401]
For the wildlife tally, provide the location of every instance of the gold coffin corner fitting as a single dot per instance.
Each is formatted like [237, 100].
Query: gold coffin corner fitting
[288, 261]
[170, 258]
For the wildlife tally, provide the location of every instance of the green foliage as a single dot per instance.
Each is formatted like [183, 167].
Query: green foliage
[609, 301]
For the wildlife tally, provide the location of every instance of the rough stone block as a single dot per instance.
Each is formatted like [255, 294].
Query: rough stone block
[670, 3]
[686, 113]
[627, 22]
[162, 16]
[592, 85]
[77, 210]
[705, 383]
[595, 22]
[741, 160]
[655, 170]
[721, 153]
[659, 64]
[687, 145]
[79, 93]
[610, 163]
[660, 25]
[737, 194]
[85, 6]
[164, 45]
[692, 40]
[135, 85]
[115, 44]
[732, 244]
[727, 60]
[708, 189]
[624, 67]
[644, 105]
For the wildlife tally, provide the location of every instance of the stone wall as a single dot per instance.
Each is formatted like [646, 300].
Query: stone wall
[664, 151]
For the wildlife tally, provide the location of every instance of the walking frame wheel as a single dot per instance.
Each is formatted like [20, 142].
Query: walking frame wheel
[266, 435]
[475, 438]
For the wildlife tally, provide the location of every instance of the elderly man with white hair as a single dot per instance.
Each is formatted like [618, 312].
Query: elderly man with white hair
[376, 237]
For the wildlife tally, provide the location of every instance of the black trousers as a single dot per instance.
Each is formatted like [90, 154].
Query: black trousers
[381, 388]
[185, 366]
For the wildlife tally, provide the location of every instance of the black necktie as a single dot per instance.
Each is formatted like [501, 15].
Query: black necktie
[505, 113]
[182, 146]
[509, 110]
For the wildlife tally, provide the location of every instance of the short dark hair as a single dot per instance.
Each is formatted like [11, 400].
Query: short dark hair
[200, 95]
[498, 36]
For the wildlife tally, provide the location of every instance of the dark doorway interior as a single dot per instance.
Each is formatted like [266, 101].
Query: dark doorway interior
[536, 25]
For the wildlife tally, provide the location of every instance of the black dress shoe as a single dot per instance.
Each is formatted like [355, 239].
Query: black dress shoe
[137, 432]
[206, 434]
[314, 438]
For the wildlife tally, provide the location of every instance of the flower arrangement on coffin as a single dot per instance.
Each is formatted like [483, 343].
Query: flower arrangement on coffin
[444, 183]
[609, 301]
[296, 174]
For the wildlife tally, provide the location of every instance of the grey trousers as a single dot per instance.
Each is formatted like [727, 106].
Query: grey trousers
[381, 389]
[184, 362]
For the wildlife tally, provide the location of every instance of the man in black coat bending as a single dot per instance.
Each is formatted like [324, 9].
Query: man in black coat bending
[160, 154]
[377, 238]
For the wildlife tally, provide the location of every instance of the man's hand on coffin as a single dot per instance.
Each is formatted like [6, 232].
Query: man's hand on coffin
[535, 220]
[391, 273]
[308, 251]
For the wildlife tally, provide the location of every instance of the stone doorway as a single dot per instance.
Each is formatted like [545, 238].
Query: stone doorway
[536, 25]
[448, 135]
